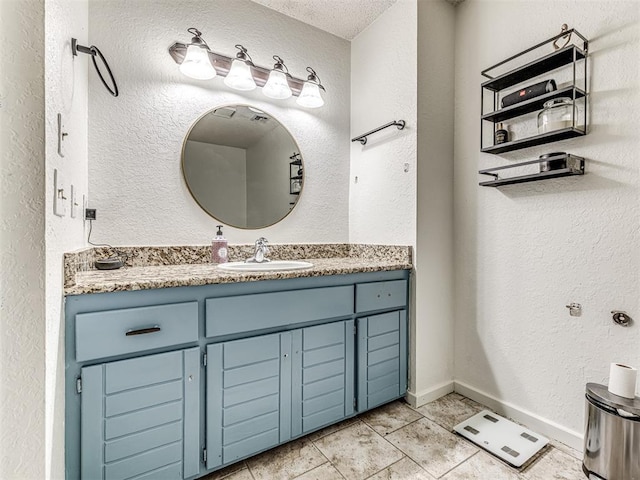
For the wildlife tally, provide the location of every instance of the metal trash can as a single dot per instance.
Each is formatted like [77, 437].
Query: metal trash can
[612, 436]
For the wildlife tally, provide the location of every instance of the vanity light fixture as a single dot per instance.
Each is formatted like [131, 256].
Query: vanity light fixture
[277, 86]
[196, 63]
[242, 74]
[310, 95]
[239, 77]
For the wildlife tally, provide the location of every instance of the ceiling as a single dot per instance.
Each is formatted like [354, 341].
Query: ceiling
[343, 18]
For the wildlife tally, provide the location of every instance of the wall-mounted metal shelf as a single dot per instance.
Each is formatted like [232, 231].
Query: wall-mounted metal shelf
[295, 174]
[573, 165]
[573, 56]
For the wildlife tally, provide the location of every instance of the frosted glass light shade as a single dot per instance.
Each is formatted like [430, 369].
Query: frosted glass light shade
[196, 64]
[310, 96]
[239, 77]
[277, 86]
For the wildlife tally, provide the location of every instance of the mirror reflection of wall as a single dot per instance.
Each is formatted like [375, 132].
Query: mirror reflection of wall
[236, 163]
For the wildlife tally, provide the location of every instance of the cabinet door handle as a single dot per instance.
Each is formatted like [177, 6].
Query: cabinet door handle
[142, 331]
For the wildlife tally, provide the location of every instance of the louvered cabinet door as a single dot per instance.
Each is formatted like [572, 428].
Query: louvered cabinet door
[140, 418]
[382, 358]
[322, 375]
[246, 391]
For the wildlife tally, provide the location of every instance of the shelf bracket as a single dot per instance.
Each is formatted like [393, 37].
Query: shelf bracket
[494, 175]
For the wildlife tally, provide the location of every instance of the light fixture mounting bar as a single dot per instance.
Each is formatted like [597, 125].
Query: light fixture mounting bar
[222, 64]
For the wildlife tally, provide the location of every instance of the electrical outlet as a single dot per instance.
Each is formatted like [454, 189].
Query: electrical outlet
[59, 195]
[89, 213]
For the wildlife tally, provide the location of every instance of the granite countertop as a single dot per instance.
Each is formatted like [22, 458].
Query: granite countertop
[162, 267]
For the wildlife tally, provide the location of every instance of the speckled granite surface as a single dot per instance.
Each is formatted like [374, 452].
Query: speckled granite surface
[161, 267]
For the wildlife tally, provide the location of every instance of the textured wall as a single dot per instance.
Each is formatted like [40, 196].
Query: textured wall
[135, 140]
[22, 241]
[525, 251]
[66, 93]
[382, 195]
[403, 192]
[433, 286]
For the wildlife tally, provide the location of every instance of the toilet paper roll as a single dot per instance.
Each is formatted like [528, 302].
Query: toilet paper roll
[622, 380]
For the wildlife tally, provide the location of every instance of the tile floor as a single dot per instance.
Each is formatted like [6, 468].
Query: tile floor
[397, 442]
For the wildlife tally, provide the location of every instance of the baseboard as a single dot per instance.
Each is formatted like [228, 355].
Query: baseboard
[531, 420]
[429, 395]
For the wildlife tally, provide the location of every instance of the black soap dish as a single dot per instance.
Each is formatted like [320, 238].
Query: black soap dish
[112, 263]
[553, 164]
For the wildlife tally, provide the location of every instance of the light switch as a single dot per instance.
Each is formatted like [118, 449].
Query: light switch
[61, 135]
[74, 202]
[59, 195]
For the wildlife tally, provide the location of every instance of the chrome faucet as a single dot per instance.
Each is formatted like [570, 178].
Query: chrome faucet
[260, 253]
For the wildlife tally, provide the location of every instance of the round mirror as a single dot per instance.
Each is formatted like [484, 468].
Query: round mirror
[242, 166]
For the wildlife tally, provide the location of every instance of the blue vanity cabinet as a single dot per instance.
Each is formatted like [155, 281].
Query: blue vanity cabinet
[323, 376]
[266, 390]
[133, 386]
[245, 396]
[382, 342]
[174, 383]
[140, 417]
[382, 359]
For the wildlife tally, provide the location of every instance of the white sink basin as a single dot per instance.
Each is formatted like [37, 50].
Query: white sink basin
[272, 266]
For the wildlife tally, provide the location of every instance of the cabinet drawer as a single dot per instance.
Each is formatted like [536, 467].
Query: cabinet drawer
[381, 295]
[117, 332]
[244, 313]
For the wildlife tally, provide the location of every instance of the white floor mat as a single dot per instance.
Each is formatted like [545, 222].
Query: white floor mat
[506, 440]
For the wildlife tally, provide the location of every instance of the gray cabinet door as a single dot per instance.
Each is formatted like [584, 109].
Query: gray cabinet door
[382, 358]
[248, 385]
[140, 417]
[322, 376]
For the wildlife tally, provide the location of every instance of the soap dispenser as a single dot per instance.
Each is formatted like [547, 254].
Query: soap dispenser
[219, 251]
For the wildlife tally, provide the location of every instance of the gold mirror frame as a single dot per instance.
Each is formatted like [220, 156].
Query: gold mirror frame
[200, 203]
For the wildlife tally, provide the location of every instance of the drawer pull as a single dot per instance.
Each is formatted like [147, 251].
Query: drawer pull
[142, 331]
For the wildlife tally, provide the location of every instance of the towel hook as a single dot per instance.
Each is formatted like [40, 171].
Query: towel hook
[563, 29]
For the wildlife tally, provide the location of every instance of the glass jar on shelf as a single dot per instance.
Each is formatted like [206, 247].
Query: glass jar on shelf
[557, 114]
